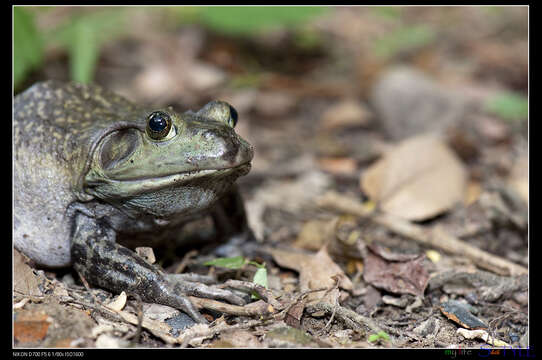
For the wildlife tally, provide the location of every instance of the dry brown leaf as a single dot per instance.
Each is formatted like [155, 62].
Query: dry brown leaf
[24, 280]
[397, 273]
[418, 179]
[338, 165]
[240, 338]
[315, 271]
[31, 326]
[348, 112]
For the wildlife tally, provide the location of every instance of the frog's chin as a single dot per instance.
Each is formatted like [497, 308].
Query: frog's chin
[118, 189]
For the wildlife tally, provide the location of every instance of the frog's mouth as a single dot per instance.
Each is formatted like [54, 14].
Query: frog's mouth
[103, 187]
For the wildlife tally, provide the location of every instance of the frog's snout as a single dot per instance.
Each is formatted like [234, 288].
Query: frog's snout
[223, 147]
[234, 151]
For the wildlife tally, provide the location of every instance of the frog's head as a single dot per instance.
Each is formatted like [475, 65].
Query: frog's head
[167, 164]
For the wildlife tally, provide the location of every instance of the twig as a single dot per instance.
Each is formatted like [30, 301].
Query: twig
[298, 298]
[184, 262]
[87, 286]
[137, 335]
[437, 237]
[348, 316]
[335, 303]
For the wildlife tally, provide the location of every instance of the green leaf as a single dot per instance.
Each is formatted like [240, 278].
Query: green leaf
[381, 335]
[84, 52]
[509, 106]
[235, 262]
[242, 20]
[27, 44]
[260, 277]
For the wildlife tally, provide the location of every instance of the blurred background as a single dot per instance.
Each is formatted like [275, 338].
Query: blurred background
[328, 89]
[322, 92]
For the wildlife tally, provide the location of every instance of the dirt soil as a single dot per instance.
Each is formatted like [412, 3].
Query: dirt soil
[387, 199]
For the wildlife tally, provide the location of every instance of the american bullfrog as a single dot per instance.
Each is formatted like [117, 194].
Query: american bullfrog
[92, 171]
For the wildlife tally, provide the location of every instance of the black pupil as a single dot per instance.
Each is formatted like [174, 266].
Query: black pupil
[234, 115]
[158, 121]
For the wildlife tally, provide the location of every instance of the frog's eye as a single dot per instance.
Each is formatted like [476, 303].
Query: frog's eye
[233, 116]
[220, 111]
[159, 126]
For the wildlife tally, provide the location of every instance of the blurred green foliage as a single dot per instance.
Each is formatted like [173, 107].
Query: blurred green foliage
[403, 39]
[27, 44]
[392, 12]
[83, 34]
[509, 106]
[245, 20]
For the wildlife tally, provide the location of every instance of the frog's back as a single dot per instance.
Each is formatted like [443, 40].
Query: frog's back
[55, 127]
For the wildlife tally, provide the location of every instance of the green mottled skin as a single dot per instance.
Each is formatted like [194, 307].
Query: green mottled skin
[86, 173]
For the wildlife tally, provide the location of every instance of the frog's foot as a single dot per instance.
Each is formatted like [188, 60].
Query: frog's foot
[103, 262]
[196, 285]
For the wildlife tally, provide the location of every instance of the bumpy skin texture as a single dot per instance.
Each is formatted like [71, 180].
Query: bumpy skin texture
[86, 174]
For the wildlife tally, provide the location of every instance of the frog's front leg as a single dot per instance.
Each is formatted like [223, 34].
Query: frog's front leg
[103, 262]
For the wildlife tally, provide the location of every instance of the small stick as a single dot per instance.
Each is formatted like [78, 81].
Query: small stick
[348, 316]
[437, 237]
[87, 286]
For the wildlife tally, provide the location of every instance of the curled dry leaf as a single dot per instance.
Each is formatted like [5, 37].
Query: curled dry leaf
[483, 335]
[396, 273]
[118, 303]
[417, 180]
[315, 271]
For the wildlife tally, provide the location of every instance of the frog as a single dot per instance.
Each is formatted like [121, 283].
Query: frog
[92, 171]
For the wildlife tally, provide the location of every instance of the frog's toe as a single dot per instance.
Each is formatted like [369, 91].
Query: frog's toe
[210, 292]
[191, 277]
[186, 305]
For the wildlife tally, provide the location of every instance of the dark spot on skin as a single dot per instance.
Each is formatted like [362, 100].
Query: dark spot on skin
[79, 252]
[108, 246]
